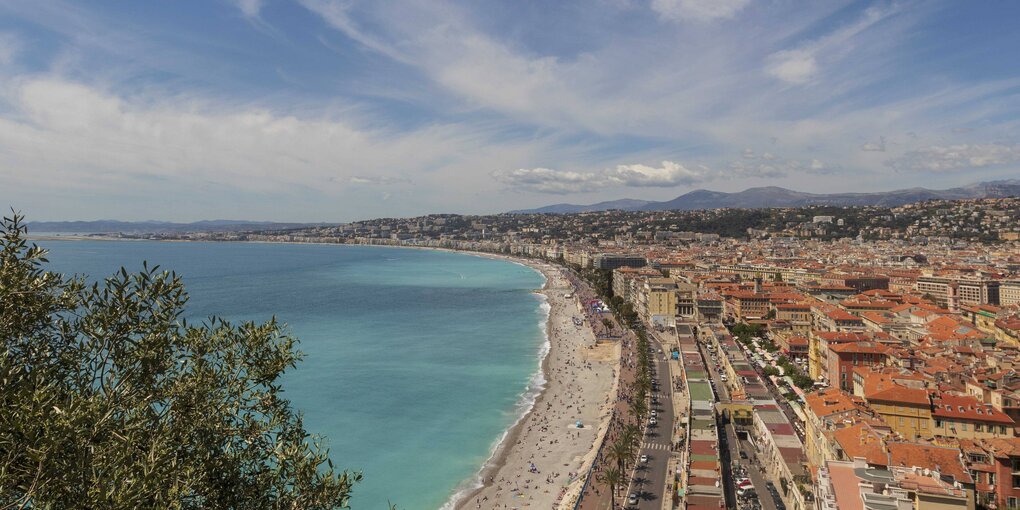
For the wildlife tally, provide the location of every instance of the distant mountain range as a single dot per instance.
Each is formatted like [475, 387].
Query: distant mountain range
[156, 227]
[774, 196]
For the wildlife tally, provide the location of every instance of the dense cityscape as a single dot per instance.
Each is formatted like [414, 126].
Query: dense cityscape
[817, 354]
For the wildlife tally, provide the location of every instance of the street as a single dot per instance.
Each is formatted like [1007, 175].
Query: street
[734, 466]
[649, 479]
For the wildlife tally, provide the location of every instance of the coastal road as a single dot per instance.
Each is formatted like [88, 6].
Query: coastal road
[649, 479]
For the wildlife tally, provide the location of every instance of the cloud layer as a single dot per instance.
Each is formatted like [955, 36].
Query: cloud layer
[325, 108]
[943, 158]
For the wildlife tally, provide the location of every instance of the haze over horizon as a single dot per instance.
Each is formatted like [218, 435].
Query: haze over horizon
[321, 110]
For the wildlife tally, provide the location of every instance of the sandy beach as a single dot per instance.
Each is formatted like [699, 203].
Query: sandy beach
[539, 462]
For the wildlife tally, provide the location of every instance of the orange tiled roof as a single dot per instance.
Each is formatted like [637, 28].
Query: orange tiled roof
[966, 407]
[900, 394]
[942, 459]
[860, 440]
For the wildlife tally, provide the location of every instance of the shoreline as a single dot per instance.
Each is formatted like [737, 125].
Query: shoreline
[531, 440]
[499, 451]
[510, 453]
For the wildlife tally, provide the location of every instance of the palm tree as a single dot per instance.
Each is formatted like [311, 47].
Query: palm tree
[638, 408]
[612, 477]
[621, 451]
[632, 434]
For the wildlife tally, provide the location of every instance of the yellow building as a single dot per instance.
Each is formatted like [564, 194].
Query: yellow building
[906, 410]
[966, 417]
[659, 300]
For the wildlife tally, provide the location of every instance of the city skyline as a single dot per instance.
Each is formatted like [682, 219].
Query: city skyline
[332, 111]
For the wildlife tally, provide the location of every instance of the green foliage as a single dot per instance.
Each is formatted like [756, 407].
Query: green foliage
[613, 477]
[770, 371]
[793, 371]
[744, 331]
[608, 324]
[111, 400]
[802, 380]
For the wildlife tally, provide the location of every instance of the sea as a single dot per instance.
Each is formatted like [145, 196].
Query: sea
[416, 362]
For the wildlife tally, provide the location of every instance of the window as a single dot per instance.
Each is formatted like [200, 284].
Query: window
[978, 427]
[903, 421]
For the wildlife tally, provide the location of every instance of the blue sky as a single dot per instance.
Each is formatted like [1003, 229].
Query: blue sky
[335, 110]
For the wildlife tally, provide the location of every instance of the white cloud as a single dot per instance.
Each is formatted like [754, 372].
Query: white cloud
[946, 158]
[545, 180]
[800, 65]
[65, 135]
[698, 10]
[768, 165]
[878, 146]
[250, 8]
[669, 174]
[794, 66]
[377, 180]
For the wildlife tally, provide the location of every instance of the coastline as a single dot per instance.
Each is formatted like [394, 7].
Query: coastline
[579, 376]
[575, 374]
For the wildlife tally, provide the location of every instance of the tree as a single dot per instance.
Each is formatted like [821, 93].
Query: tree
[111, 400]
[631, 434]
[612, 477]
[621, 451]
[608, 325]
[638, 408]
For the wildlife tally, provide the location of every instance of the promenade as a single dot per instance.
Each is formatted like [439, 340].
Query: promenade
[596, 495]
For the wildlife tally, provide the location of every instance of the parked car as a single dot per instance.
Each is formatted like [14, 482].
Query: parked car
[632, 499]
[644, 459]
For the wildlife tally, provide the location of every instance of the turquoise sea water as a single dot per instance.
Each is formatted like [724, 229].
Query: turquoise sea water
[416, 361]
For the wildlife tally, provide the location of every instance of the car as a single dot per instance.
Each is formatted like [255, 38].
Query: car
[743, 454]
[747, 493]
[652, 421]
[632, 499]
[644, 459]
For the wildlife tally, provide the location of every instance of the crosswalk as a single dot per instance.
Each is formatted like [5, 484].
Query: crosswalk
[654, 446]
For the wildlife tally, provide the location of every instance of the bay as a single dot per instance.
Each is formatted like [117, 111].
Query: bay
[415, 361]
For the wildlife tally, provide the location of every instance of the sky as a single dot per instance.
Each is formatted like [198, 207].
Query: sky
[338, 110]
